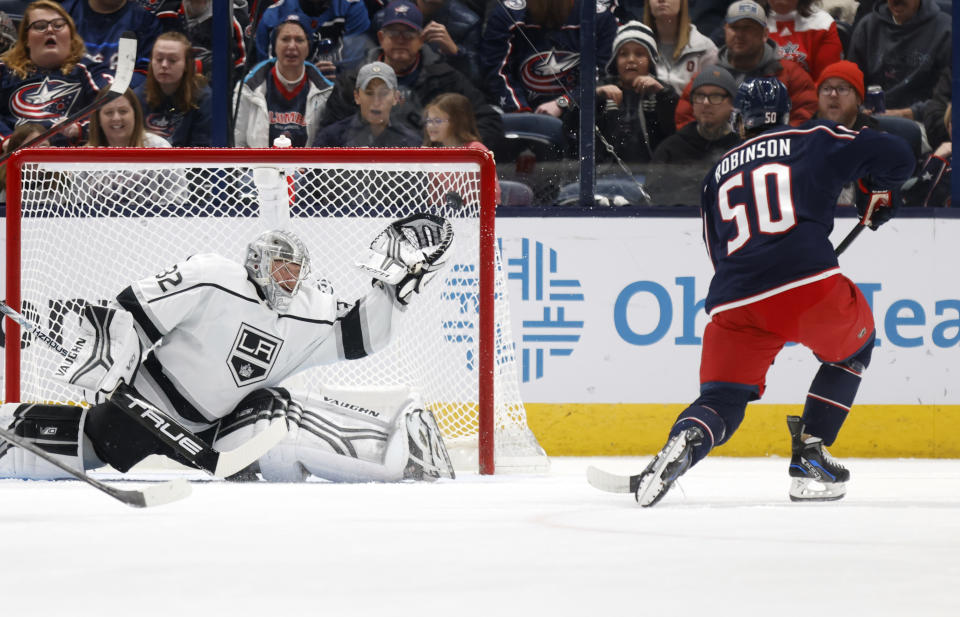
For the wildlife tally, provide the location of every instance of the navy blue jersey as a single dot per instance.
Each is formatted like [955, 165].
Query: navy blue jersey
[527, 64]
[101, 33]
[286, 110]
[180, 128]
[768, 205]
[47, 96]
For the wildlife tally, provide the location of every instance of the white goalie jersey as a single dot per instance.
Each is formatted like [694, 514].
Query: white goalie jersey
[212, 339]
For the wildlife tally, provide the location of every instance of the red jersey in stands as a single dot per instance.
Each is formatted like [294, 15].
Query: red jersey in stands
[812, 42]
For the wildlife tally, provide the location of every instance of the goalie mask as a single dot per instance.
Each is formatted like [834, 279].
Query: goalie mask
[278, 262]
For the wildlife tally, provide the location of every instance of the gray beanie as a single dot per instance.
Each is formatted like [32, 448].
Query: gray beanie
[715, 76]
[638, 32]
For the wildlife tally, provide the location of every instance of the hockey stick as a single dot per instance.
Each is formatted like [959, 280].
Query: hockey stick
[612, 483]
[862, 224]
[848, 240]
[126, 60]
[168, 430]
[155, 495]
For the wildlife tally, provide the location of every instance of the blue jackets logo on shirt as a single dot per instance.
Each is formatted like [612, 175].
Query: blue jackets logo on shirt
[253, 355]
[550, 71]
[47, 100]
[163, 125]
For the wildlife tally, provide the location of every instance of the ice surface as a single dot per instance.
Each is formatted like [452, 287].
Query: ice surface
[729, 543]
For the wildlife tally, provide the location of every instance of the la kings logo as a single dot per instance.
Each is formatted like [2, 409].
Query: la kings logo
[253, 355]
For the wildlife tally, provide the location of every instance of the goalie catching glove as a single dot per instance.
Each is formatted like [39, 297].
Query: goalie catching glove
[106, 353]
[409, 253]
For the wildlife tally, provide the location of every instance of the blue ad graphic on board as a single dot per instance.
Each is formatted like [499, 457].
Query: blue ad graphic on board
[903, 322]
[543, 290]
[559, 300]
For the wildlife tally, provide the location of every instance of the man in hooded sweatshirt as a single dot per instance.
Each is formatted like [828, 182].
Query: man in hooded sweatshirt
[903, 46]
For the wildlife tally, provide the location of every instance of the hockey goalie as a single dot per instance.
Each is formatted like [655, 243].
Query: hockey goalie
[208, 343]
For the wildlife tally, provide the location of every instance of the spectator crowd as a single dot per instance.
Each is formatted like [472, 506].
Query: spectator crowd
[500, 75]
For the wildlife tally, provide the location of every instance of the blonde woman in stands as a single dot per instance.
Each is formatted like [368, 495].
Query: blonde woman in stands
[47, 72]
[684, 51]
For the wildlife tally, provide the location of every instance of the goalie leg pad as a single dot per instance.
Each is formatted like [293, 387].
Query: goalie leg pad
[338, 441]
[58, 429]
[351, 437]
[250, 418]
[106, 352]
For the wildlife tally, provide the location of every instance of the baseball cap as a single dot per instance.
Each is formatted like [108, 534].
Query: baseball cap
[715, 76]
[403, 12]
[376, 70]
[746, 9]
[845, 70]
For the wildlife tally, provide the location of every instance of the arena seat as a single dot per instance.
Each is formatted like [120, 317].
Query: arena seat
[513, 193]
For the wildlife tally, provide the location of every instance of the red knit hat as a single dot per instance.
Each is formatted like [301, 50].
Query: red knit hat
[845, 70]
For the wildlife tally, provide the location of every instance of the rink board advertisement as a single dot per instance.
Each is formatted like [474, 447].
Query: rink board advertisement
[607, 319]
[611, 310]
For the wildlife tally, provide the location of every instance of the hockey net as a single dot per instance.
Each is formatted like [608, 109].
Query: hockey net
[83, 225]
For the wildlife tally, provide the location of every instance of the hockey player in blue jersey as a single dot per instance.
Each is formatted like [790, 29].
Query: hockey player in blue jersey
[768, 208]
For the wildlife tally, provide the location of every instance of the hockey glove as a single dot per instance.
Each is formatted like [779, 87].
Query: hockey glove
[106, 353]
[409, 253]
[875, 206]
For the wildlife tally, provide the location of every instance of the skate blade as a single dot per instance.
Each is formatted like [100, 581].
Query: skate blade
[651, 487]
[808, 489]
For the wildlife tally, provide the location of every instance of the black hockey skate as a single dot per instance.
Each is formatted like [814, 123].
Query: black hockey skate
[428, 454]
[669, 464]
[817, 476]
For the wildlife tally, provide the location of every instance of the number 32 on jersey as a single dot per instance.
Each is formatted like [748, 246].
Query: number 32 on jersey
[761, 179]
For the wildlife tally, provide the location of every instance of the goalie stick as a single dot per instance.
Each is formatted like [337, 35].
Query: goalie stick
[155, 495]
[126, 60]
[179, 438]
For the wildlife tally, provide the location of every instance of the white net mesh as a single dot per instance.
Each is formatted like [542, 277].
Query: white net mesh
[89, 229]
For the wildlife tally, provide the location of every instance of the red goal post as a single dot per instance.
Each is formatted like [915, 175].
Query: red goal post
[84, 223]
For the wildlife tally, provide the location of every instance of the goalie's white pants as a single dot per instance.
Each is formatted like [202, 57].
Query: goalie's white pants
[337, 440]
